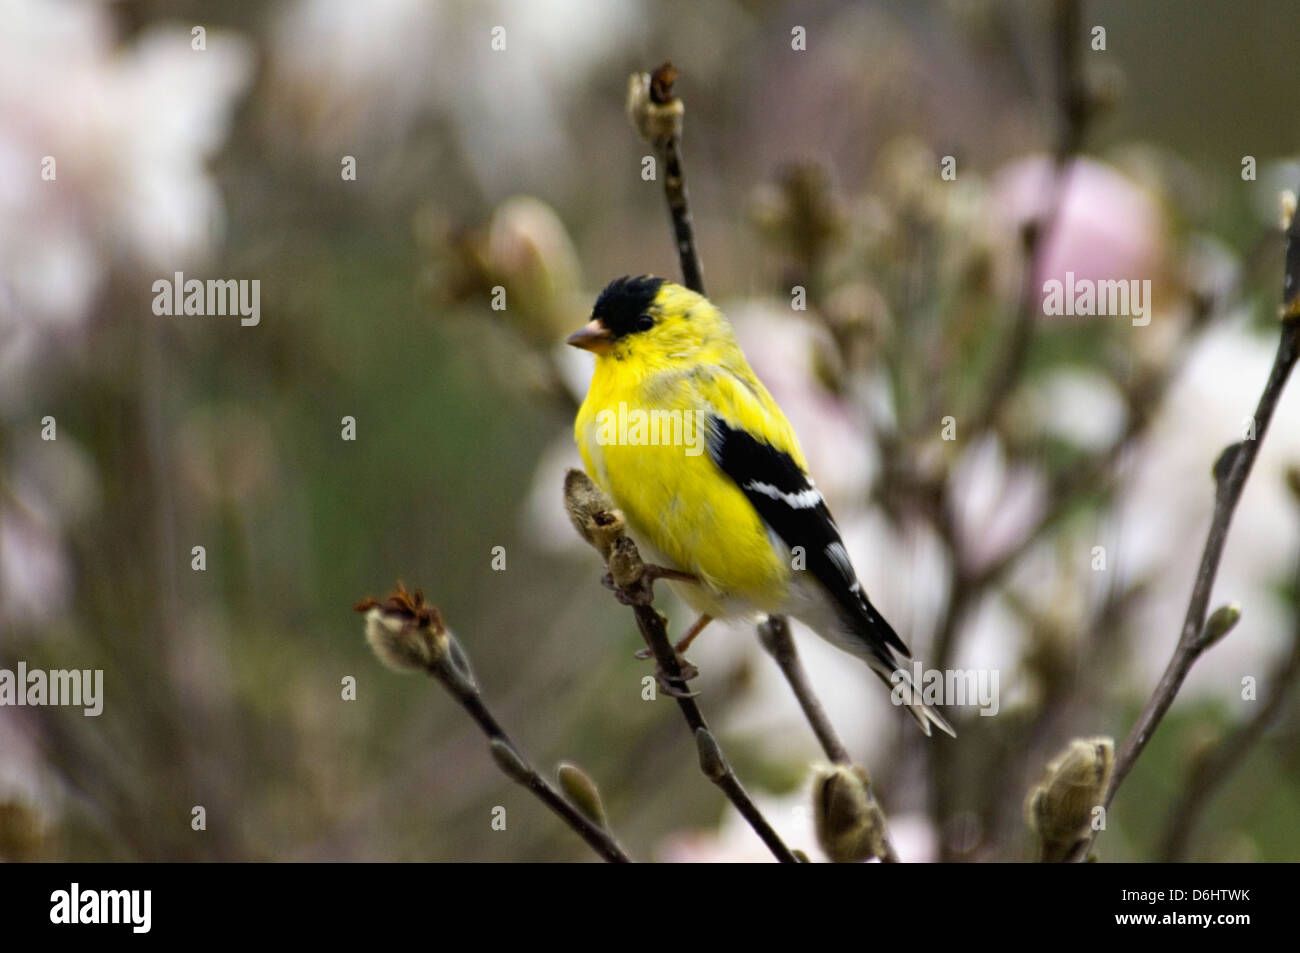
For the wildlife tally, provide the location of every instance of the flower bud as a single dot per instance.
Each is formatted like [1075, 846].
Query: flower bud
[1060, 808]
[508, 759]
[653, 110]
[712, 763]
[405, 633]
[582, 791]
[1293, 481]
[21, 832]
[626, 568]
[850, 826]
[592, 512]
[1222, 621]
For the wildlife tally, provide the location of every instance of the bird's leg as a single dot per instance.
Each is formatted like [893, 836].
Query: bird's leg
[663, 572]
[685, 641]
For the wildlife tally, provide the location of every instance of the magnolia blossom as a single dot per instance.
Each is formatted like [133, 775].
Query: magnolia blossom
[103, 153]
[333, 62]
[1104, 226]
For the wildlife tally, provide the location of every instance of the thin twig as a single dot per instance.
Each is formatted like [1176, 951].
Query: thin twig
[964, 586]
[1094, 475]
[657, 114]
[1072, 102]
[598, 522]
[1073, 105]
[777, 639]
[1233, 470]
[408, 635]
[712, 763]
[1190, 643]
[1212, 770]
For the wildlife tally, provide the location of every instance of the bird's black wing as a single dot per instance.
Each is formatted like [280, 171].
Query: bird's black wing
[793, 508]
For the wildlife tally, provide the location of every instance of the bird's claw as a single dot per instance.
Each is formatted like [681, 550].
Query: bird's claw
[653, 572]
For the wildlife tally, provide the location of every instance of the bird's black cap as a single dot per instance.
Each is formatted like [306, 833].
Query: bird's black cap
[623, 301]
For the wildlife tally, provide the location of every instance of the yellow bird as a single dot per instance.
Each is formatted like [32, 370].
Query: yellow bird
[678, 430]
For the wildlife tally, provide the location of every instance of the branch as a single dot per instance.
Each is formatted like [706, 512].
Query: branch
[1231, 470]
[774, 634]
[1072, 101]
[601, 525]
[1212, 770]
[408, 635]
[657, 115]
[776, 638]
[1074, 107]
[1075, 110]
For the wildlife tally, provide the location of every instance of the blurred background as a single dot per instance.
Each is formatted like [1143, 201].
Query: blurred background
[1054, 541]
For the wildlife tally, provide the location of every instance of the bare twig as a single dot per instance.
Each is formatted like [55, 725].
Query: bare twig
[657, 114]
[600, 524]
[1095, 475]
[409, 635]
[775, 635]
[1209, 773]
[1074, 107]
[965, 587]
[1232, 471]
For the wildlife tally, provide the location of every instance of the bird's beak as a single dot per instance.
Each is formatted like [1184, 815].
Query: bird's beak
[593, 336]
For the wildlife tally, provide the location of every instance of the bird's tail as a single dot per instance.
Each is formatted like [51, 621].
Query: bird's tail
[903, 690]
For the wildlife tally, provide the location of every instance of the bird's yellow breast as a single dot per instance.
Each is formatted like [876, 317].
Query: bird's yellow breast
[643, 439]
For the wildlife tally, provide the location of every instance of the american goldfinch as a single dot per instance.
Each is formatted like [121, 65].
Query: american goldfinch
[689, 444]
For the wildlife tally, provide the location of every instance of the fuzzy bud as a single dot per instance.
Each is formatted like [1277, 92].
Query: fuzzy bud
[653, 110]
[21, 832]
[1060, 808]
[1293, 481]
[850, 826]
[406, 634]
[592, 513]
[625, 566]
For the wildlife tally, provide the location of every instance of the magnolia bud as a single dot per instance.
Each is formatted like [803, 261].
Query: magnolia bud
[405, 633]
[1060, 808]
[1222, 621]
[850, 826]
[582, 791]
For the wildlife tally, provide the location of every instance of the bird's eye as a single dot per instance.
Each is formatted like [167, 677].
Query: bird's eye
[645, 322]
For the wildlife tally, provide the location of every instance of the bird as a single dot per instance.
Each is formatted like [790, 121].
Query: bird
[682, 435]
